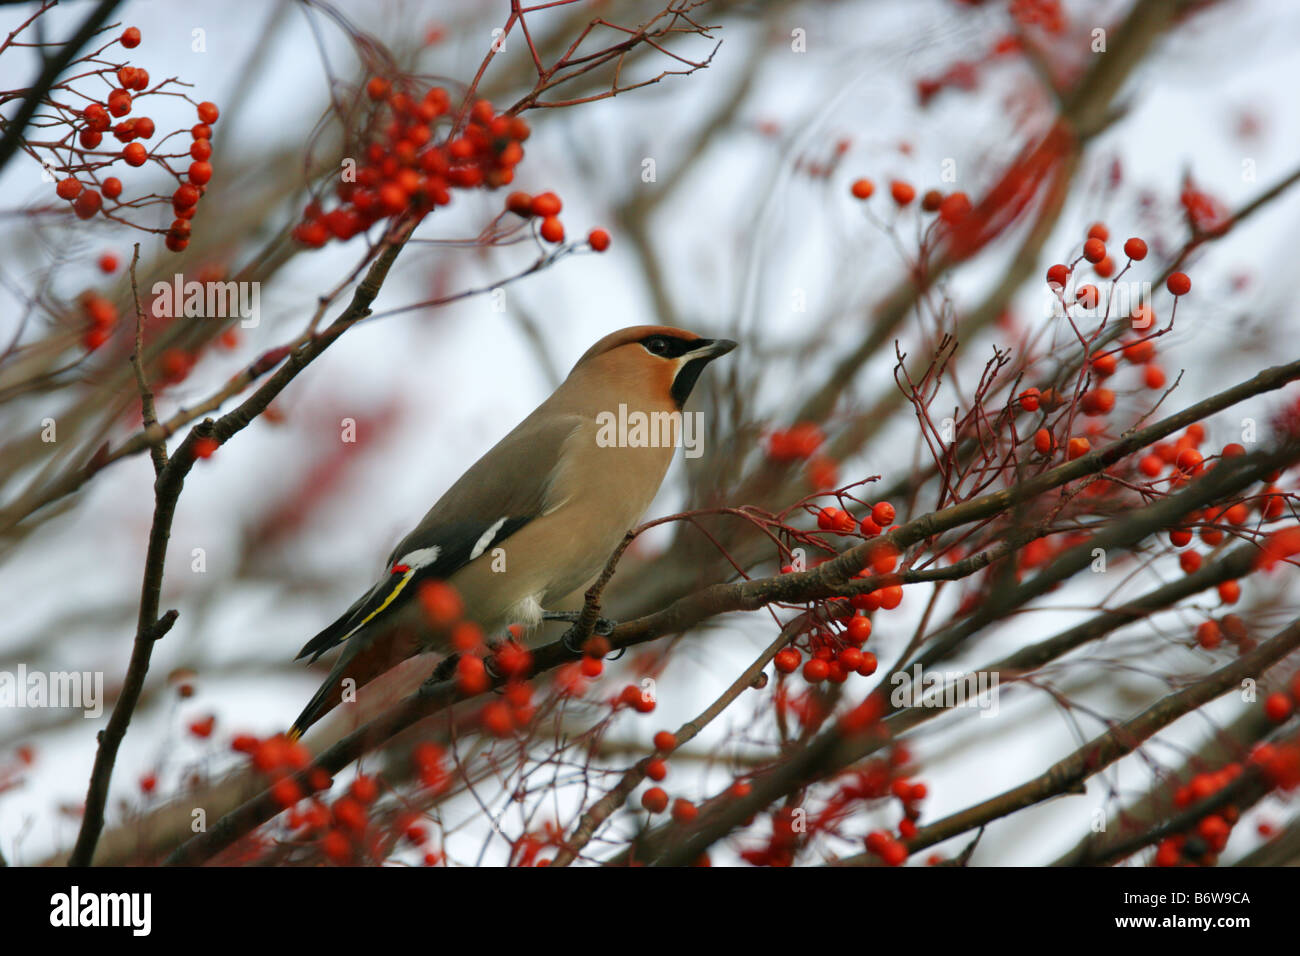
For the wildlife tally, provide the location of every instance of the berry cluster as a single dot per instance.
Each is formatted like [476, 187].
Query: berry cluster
[545, 207]
[879, 780]
[415, 153]
[1280, 765]
[952, 208]
[85, 187]
[801, 442]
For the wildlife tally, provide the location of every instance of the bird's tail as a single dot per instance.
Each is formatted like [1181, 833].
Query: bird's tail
[315, 709]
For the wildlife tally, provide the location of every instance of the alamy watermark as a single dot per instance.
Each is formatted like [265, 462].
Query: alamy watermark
[638, 429]
[922, 688]
[213, 299]
[55, 689]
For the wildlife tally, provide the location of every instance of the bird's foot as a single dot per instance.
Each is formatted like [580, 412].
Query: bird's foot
[570, 640]
[446, 669]
[602, 628]
[490, 666]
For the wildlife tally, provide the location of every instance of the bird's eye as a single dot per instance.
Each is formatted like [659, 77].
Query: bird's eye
[657, 344]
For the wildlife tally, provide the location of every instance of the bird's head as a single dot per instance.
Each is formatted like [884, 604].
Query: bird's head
[658, 361]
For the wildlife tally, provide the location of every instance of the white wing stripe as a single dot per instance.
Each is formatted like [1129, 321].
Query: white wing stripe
[482, 543]
[420, 557]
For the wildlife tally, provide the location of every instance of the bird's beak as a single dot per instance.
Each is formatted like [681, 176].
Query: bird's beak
[709, 349]
[692, 364]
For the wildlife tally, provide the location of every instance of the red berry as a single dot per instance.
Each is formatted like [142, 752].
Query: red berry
[902, 192]
[1208, 634]
[377, 88]
[858, 629]
[286, 792]
[665, 741]
[520, 203]
[471, 677]
[335, 845]
[547, 204]
[1135, 249]
[787, 660]
[1029, 399]
[655, 800]
[1043, 442]
[1189, 460]
[1179, 284]
[497, 719]
[862, 188]
[200, 173]
[1098, 231]
[894, 853]
[130, 38]
[883, 514]
[350, 814]
[119, 102]
[208, 112]
[1058, 275]
[1278, 707]
[816, 671]
[1139, 353]
[656, 769]
[1077, 448]
[1104, 366]
[1097, 401]
[1094, 250]
[884, 558]
[1229, 592]
[87, 204]
[1151, 465]
[185, 196]
[201, 149]
[868, 665]
[441, 603]
[598, 239]
[954, 208]
[891, 596]
[1153, 376]
[552, 229]
[135, 154]
[684, 811]
[68, 188]
[96, 117]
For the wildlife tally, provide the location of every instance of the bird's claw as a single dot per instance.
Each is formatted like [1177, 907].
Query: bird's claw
[570, 639]
[446, 669]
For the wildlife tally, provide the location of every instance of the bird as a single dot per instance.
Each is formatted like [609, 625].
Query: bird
[531, 524]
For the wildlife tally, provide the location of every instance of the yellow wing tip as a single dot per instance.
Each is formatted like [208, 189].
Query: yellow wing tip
[293, 734]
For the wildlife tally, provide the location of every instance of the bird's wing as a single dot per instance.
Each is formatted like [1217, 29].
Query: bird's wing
[482, 509]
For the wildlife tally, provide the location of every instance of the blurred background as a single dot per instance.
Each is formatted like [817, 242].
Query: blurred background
[726, 192]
